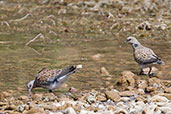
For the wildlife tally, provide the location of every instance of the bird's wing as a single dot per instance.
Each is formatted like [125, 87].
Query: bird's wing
[47, 75]
[145, 56]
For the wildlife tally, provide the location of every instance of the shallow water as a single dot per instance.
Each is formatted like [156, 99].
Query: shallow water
[20, 63]
[76, 39]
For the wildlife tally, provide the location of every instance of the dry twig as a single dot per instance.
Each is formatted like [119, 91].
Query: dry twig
[23, 17]
[40, 35]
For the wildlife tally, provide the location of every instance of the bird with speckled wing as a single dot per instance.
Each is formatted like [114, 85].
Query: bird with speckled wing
[51, 78]
[144, 56]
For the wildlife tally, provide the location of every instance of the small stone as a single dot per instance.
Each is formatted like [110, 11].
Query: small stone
[20, 108]
[127, 93]
[121, 111]
[97, 56]
[3, 103]
[167, 90]
[72, 90]
[91, 108]
[37, 96]
[10, 107]
[36, 110]
[141, 91]
[4, 94]
[165, 110]
[91, 99]
[155, 82]
[70, 110]
[23, 98]
[127, 78]
[77, 107]
[142, 84]
[158, 98]
[167, 95]
[113, 95]
[104, 71]
[101, 98]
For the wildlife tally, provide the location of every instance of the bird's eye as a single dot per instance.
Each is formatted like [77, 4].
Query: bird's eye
[29, 86]
[128, 40]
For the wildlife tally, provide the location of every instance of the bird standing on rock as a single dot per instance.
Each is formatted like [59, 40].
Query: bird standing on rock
[144, 56]
[51, 78]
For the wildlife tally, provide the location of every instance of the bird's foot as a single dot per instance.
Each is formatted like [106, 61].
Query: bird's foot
[141, 73]
[151, 75]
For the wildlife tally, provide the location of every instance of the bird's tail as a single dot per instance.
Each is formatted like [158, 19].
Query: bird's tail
[160, 62]
[71, 69]
[68, 71]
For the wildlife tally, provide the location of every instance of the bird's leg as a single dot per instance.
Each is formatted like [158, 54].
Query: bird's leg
[52, 91]
[29, 94]
[141, 72]
[149, 72]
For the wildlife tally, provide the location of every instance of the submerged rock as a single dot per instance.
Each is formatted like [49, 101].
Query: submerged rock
[104, 71]
[97, 56]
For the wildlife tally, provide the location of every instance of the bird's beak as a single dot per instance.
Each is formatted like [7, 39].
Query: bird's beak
[126, 41]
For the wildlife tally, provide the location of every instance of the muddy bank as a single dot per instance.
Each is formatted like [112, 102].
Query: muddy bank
[151, 96]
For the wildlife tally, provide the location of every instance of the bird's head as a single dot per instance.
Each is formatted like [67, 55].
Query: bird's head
[30, 86]
[132, 40]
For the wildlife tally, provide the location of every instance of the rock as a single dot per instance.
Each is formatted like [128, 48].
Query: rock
[124, 99]
[23, 98]
[104, 71]
[147, 111]
[77, 107]
[167, 95]
[3, 103]
[158, 98]
[36, 110]
[91, 108]
[91, 99]
[49, 106]
[114, 96]
[37, 96]
[155, 82]
[21, 108]
[145, 26]
[165, 110]
[127, 78]
[101, 98]
[127, 93]
[141, 91]
[10, 107]
[70, 110]
[142, 84]
[167, 90]
[72, 90]
[4, 94]
[121, 111]
[167, 82]
[97, 56]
